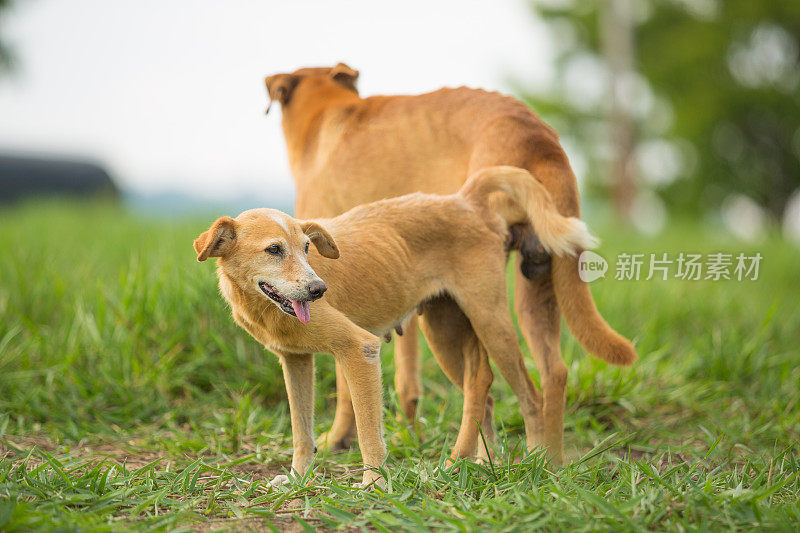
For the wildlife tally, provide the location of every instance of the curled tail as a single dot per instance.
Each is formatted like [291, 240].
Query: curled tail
[529, 203]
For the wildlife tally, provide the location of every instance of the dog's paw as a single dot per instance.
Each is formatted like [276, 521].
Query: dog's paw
[279, 480]
[371, 481]
[485, 456]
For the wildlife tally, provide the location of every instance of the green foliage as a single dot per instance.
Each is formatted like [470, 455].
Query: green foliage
[724, 82]
[130, 400]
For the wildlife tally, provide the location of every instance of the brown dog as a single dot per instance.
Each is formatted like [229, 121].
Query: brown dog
[345, 150]
[392, 255]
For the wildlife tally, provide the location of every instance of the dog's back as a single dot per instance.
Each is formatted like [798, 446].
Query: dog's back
[408, 143]
[421, 241]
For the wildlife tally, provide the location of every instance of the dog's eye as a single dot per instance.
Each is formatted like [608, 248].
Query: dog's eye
[307, 247]
[274, 249]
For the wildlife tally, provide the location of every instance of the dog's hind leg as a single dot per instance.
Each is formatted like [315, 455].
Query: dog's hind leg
[540, 321]
[465, 362]
[478, 378]
[484, 301]
[343, 429]
[407, 380]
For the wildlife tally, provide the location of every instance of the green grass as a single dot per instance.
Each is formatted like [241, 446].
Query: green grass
[130, 400]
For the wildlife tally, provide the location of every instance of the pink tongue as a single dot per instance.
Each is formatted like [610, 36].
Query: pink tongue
[302, 310]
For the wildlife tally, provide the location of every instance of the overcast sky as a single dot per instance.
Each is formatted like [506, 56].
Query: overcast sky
[170, 94]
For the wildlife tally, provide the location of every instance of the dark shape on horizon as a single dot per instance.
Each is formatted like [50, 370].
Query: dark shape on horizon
[42, 176]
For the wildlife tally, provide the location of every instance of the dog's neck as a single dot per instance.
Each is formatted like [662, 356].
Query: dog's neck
[302, 117]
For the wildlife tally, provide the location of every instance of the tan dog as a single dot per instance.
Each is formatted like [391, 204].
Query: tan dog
[392, 255]
[345, 150]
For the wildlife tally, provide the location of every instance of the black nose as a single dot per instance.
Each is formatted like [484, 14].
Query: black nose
[316, 289]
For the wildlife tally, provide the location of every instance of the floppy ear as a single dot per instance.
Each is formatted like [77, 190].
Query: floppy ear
[321, 238]
[280, 87]
[217, 241]
[345, 76]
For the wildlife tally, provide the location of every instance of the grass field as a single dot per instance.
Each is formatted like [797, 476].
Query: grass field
[130, 400]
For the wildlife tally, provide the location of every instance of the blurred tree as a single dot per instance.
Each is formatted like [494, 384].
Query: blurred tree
[712, 98]
[617, 47]
[5, 54]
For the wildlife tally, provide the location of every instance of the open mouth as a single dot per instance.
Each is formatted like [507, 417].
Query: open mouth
[296, 308]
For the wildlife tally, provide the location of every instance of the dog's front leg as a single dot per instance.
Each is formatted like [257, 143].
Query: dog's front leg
[298, 374]
[361, 364]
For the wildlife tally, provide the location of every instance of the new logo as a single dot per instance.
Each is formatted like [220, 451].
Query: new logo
[591, 266]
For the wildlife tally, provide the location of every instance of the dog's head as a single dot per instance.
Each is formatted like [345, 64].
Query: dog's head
[280, 87]
[265, 252]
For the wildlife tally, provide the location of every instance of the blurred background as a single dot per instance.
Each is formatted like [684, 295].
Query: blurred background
[146, 121]
[666, 108]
